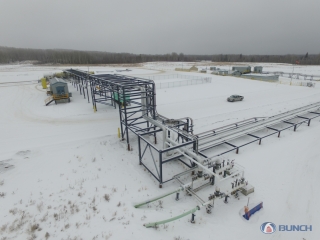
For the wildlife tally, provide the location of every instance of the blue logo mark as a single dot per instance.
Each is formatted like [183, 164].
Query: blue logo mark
[268, 227]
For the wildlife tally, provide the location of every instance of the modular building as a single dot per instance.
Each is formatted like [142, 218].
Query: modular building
[242, 69]
[223, 72]
[220, 72]
[192, 69]
[261, 77]
[59, 90]
[235, 73]
[257, 69]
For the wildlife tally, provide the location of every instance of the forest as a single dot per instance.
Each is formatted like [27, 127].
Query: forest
[61, 56]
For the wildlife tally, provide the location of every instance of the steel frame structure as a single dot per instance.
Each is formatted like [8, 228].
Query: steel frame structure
[183, 139]
[105, 87]
[289, 122]
[138, 114]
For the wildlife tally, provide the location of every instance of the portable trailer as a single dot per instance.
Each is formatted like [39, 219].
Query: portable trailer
[257, 69]
[242, 69]
[59, 92]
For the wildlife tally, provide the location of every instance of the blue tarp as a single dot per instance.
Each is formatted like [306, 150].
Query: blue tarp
[253, 210]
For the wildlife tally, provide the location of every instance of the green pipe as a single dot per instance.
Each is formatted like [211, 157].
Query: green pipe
[157, 198]
[154, 224]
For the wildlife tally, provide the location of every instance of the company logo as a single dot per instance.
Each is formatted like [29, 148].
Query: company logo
[268, 227]
[292, 228]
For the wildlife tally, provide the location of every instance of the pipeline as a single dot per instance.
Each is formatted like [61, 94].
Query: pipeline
[155, 224]
[157, 198]
[187, 118]
[182, 150]
[194, 161]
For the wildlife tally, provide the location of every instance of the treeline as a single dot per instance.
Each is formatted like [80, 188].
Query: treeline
[57, 56]
[306, 59]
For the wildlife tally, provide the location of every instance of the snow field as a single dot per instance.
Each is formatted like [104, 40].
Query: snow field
[72, 178]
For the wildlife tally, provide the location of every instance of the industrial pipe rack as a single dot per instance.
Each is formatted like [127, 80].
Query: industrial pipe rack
[291, 119]
[136, 100]
[124, 91]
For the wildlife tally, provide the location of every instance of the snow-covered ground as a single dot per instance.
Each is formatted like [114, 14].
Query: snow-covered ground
[64, 174]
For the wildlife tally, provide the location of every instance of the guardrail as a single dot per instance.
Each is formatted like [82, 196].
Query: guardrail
[294, 82]
[171, 76]
[310, 77]
[182, 83]
[189, 80]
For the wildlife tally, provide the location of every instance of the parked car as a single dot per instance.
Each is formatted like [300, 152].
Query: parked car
[234, 98]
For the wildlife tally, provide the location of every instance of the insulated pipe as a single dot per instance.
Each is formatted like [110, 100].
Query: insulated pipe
[229, 135]
[191, 120]
[192, 211]
[199, 164]
[157, 198]
[191, 153]
[158, 124]
[241, 123]
[154, 224]
[183, 187]
[149, 119]
[164, 128]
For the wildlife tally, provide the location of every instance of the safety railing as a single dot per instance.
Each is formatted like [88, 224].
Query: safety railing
[173, 84]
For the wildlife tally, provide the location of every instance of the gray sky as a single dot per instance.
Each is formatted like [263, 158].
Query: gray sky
[163, 26]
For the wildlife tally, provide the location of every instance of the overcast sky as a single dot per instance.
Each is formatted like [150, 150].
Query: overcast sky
[163, 26]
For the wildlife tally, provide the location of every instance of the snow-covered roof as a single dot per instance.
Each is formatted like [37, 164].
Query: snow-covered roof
[56, 80]
[241, 66]
[260, 74]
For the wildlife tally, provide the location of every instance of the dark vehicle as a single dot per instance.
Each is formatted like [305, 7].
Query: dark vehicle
[234, 98]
